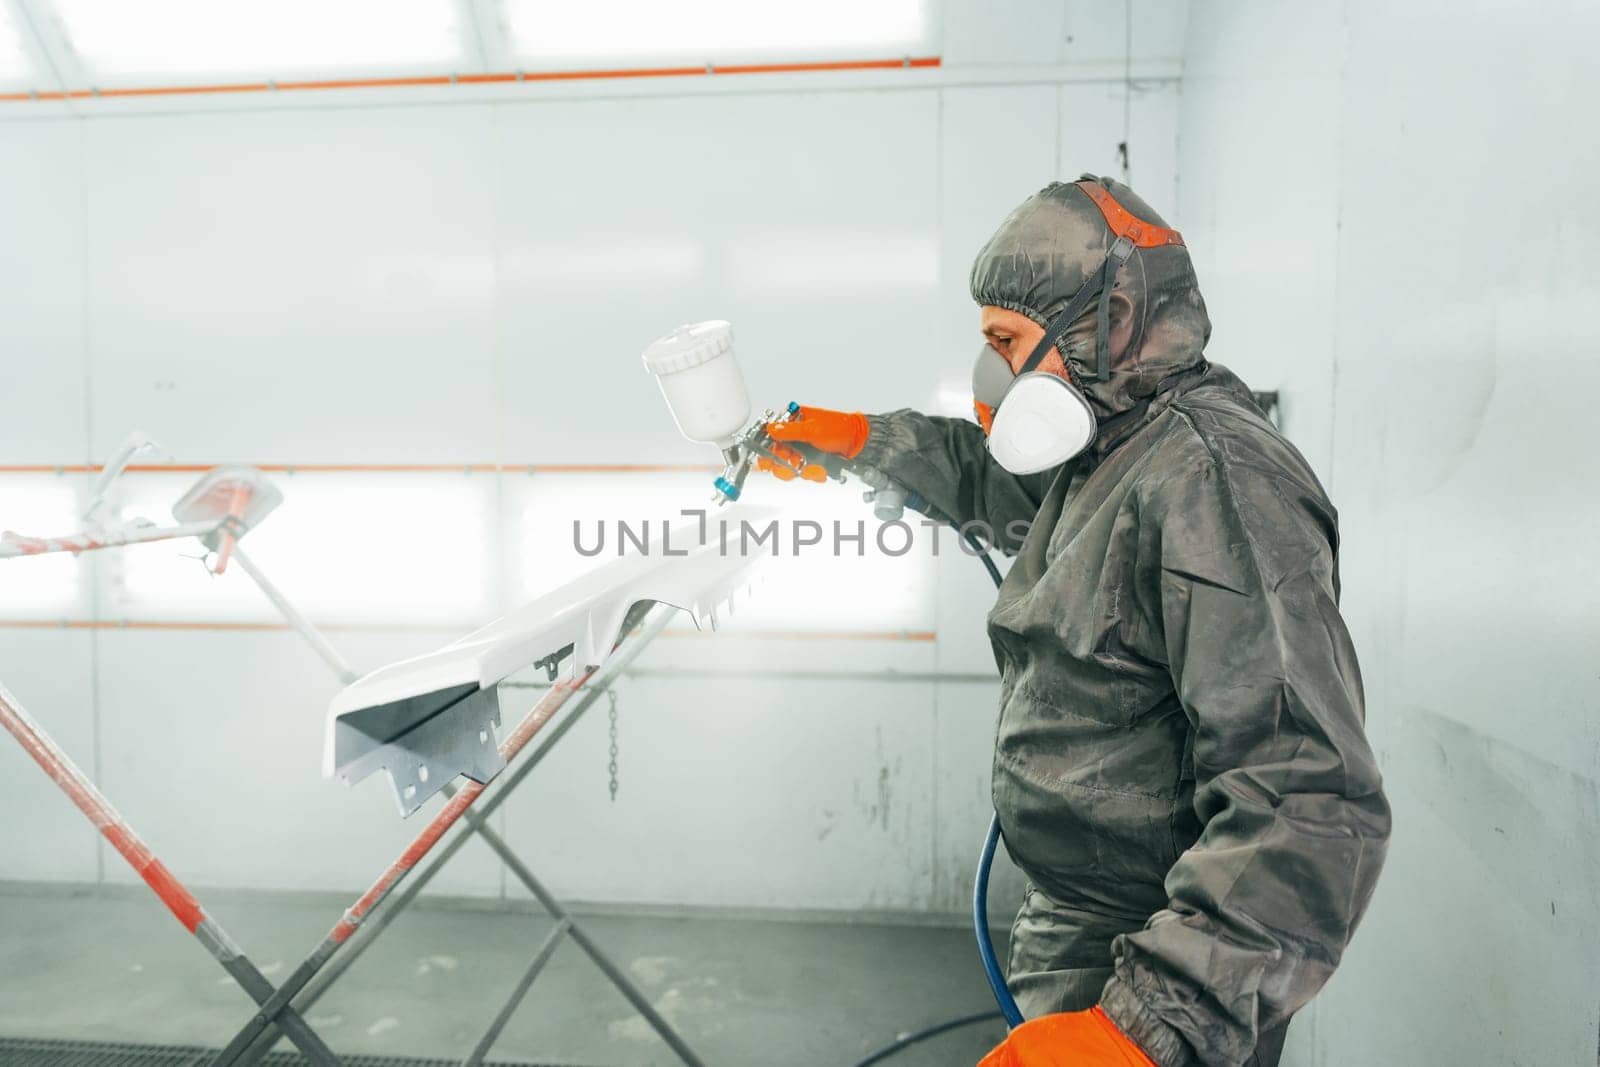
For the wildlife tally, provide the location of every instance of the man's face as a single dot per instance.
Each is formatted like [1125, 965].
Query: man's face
[1013, 335]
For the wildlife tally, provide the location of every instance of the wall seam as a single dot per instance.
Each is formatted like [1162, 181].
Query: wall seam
[1318, 1043]
[933, 777]
[497, 361]
[1338, 246]
[92, 567]
[1127, 92]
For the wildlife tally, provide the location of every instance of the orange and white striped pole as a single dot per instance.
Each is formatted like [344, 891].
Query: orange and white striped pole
[166, 886]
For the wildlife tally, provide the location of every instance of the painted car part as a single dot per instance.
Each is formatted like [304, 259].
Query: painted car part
[430, 718]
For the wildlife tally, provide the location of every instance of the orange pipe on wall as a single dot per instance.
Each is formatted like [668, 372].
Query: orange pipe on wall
[904, 63]
[373, 468]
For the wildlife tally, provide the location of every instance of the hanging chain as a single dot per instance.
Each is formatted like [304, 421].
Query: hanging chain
[611, 767]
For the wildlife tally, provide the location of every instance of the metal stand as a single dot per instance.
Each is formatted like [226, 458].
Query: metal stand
[280, 1010]
[375, 911]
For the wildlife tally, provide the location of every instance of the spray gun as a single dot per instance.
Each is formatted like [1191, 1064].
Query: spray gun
[706, 394]
[740, 456]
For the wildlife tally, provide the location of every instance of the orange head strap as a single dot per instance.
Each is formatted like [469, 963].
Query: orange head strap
[1129, 233]
[1123, 223]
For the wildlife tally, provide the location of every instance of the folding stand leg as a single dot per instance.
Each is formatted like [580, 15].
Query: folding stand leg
[183, 905]
[546, 949]
[618, 978]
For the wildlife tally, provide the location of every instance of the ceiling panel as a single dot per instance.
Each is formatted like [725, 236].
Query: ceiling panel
[701, 31]
[196, 39]
[15, 66]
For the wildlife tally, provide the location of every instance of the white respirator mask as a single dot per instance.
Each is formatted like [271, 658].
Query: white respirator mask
[1037, 420]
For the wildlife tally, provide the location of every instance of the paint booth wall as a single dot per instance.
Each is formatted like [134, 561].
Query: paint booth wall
[1395, 224]
[382, 282]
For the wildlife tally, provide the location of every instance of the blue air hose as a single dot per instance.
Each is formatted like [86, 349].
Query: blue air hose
[980, 885]
[980, 926]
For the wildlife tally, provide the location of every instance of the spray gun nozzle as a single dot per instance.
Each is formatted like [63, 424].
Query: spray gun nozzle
[751, 442]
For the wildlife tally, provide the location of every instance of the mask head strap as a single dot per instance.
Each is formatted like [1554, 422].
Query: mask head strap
[1129, 233]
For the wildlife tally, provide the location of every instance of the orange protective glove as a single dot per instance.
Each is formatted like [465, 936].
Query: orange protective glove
[841, 433]
[1068, 1039]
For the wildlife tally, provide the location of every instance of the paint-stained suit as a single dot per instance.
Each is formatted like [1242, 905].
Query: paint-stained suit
[1180, 768]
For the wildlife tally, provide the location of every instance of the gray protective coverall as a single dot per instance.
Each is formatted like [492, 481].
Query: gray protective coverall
[1180, 766]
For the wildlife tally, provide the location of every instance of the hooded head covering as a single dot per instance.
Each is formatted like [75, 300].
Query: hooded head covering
[1039, 258]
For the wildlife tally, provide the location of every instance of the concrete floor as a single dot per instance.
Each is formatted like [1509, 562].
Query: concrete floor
[112, 965]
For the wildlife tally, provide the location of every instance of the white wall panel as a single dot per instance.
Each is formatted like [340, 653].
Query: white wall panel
[804, 792]
[1096, 119]
[1369, 228]
[294, 287]
[1009, 32]
[808, 221]
[1493, 736]
[1087, 39]
[42, 324]
[1261, 222]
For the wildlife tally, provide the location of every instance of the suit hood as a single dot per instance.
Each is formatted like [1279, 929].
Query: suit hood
[1041, 255]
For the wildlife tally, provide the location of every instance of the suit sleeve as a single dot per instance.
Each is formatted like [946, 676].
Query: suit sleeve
[947, 462]
[1287, 792]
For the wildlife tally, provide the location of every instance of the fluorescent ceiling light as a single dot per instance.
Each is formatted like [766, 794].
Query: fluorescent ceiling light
[14, 65]
[260, 36]
[712, 29]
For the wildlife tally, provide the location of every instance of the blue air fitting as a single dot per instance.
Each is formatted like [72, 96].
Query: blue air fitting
[729, 491]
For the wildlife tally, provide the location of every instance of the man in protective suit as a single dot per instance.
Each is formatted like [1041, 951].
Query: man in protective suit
[1180, 769]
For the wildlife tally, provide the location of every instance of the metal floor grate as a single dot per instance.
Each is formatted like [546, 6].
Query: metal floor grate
[39, 1052]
